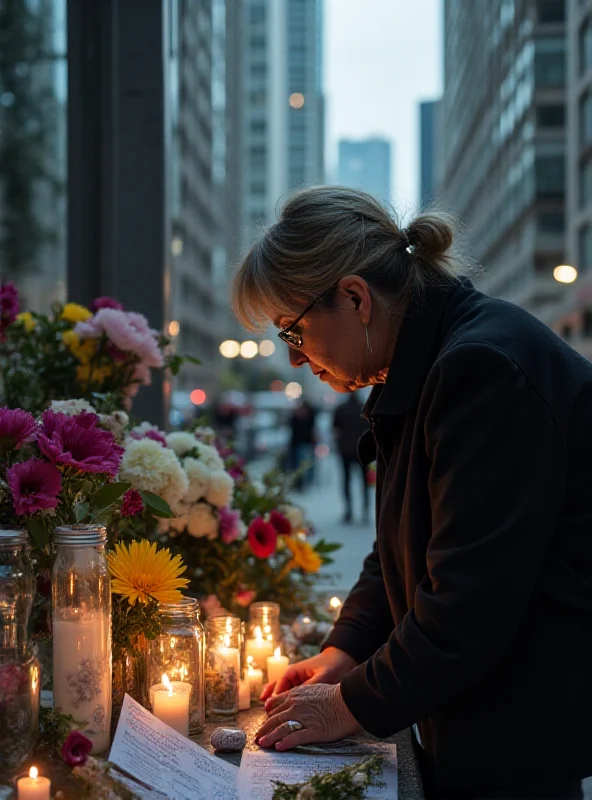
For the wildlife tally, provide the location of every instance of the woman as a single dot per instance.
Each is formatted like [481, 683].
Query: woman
[473, 615]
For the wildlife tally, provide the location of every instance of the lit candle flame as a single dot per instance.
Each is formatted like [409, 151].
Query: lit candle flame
[33, 773]
[228, 625]
[227, 641]
[335, 603]
[258, 633]
[306, 620]
[250, 660]
[267, 629]
[167, 684]
[277, 652]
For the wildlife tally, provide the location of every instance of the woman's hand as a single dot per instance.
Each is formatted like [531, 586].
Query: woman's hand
[320, 710]
[330, 666]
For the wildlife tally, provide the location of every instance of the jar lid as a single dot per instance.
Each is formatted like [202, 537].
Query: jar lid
[13, 537]
[80, 535]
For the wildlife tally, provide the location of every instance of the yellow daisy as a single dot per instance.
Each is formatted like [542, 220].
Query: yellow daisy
[141, 572]
[84, 349]
[304, 556]
[94, 375]
[73, 312]
[27, 320]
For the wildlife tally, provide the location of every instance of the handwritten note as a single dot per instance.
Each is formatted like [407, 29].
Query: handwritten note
[164, 760]
[258, 769]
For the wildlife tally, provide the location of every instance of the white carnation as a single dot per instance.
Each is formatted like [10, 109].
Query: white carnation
[71, 407]
[202, 522]
[294, 516]
[116, 423]
[199, 479]
[143, 428]
[220, 489]
[150, 467]
[181, 442]
[210, 457]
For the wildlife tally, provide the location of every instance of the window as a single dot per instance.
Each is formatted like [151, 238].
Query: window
[549, 175]
[258, 156]
[258, 70]
[550, 116]
[551, 10]
[258, 99]
[257, 14]
[549, 63]
[258, 42]
[586, 184]
[586, 119]
[551, 222]
[584, 248]
[258, 126]
[585, 51]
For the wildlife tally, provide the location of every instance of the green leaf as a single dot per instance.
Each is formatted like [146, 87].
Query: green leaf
[107, 495]
[80, 511]
[38, 532]
[191, 359]
[158, 506]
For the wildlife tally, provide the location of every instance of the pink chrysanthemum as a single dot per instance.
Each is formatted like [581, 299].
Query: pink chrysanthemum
[77, 442]
[127, 330]
[34, 485]
[105, 302]
[132, 504]
[228, 525]
[16, 428]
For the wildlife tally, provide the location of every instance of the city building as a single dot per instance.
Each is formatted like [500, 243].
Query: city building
[428, 120]
[503, 142]
[366, 165]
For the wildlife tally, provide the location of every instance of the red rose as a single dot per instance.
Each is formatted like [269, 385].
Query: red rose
[262, 537]
[281, 523]
[76, 749]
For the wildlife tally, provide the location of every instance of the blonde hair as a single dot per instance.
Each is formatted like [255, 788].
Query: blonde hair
[327, 232]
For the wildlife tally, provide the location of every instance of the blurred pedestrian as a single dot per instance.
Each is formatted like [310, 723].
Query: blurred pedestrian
[348, 427]
[302, 443]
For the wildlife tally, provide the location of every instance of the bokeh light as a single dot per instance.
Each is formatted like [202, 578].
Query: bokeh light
[198, 397]
[230, 348]
[293, 390]
[249, 349]
[266, 348]
[565, 273]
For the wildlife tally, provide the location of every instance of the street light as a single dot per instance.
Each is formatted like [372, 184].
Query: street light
[565, 273]
[174, 328]
[266, 348]
[249, 349]
[230, 348]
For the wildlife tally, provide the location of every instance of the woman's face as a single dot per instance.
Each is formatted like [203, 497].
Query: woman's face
[334, 341]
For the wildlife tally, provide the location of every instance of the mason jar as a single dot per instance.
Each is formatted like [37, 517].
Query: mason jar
[265, 617]
[178, 653]
[81, 600]
[223, 657]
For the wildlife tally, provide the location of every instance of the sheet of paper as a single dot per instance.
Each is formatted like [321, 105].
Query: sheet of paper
[259, 768]
[164, 760]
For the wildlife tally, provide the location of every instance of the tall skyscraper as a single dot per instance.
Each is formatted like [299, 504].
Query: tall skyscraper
[503, 141]
[366, 164]
[428, 118]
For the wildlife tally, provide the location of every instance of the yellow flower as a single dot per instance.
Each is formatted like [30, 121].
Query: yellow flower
[86, 373]
[27, 320]
[141, 572]
[83, 350]
[304, 556]
[72, 312]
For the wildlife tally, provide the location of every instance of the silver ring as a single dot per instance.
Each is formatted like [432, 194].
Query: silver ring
[294, 726]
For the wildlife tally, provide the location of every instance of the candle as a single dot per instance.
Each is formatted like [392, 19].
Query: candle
[33, 787]
[277, 664]
[255, 679]
[259, 649]
[170, 703]
[335, 607]
[244, 694]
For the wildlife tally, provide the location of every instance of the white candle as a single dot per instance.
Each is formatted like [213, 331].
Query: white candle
[255, 679]
[82, 674]
[259, 649]
[244, 694]
[170, 703]
[277, 664]
[33, 787]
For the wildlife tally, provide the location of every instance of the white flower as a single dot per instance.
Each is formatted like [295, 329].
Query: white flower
[294, 516]
[71, 407]
[202, 522]
[199, 479]
[116, 423]
[206, 435]
[210, 457]
[242, 530]
[359, 780]
[181, 442]
[150, 467]
[143, 428]
[220, 489]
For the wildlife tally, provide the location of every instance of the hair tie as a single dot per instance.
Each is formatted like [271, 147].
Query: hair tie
[410, 248]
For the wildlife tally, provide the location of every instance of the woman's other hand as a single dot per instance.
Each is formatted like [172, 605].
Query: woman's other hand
[330, 666]
[320, 710]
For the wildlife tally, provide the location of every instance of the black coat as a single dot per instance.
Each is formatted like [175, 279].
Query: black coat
[473, 614]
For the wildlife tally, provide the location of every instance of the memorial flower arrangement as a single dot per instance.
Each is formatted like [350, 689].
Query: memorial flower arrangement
[349, 783]
[104, 353]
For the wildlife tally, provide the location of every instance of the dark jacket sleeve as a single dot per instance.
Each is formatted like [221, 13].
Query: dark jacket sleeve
[365, 621]
[496, 488]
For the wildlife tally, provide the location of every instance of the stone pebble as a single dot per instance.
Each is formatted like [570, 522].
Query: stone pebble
[228, 740]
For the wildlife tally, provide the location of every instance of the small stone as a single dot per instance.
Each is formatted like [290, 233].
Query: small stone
[228, 740]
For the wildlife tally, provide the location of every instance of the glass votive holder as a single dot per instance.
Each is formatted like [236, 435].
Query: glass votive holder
[265, 616]
[178, 653]
[224, 646]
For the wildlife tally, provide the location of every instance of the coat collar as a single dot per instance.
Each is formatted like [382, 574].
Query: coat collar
[415, 350]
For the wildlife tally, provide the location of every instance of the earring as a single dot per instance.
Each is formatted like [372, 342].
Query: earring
[368, 345]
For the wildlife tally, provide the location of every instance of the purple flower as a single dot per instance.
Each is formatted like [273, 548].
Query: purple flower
[281, 523]
[228, 525]
[105, 302]
[9, 305]
[76, 749]
[145, 431]
[16, 428]
[132, 504]
[77, 442]
[34, 485]
[127, 330]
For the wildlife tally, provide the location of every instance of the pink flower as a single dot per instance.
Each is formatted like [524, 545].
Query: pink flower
[245, 598]
[16, 428]
[77, 442]
[129, 331]
[281, 523]
[262, 538]
[76, 749]
[13, 680]
[229, 529]
[132, 504]
[34, 485]
[141, 377]
[210, 605]
[9, 305]
[105, 302]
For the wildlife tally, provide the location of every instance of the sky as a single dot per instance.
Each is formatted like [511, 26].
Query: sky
[381, 59]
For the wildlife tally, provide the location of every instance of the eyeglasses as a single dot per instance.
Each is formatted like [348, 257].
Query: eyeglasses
[292, 335]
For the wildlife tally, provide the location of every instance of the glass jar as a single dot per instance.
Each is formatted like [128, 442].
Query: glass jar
[224, 646]
[179, 653]
[19, 667]
[81, 595]
[265, 616]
